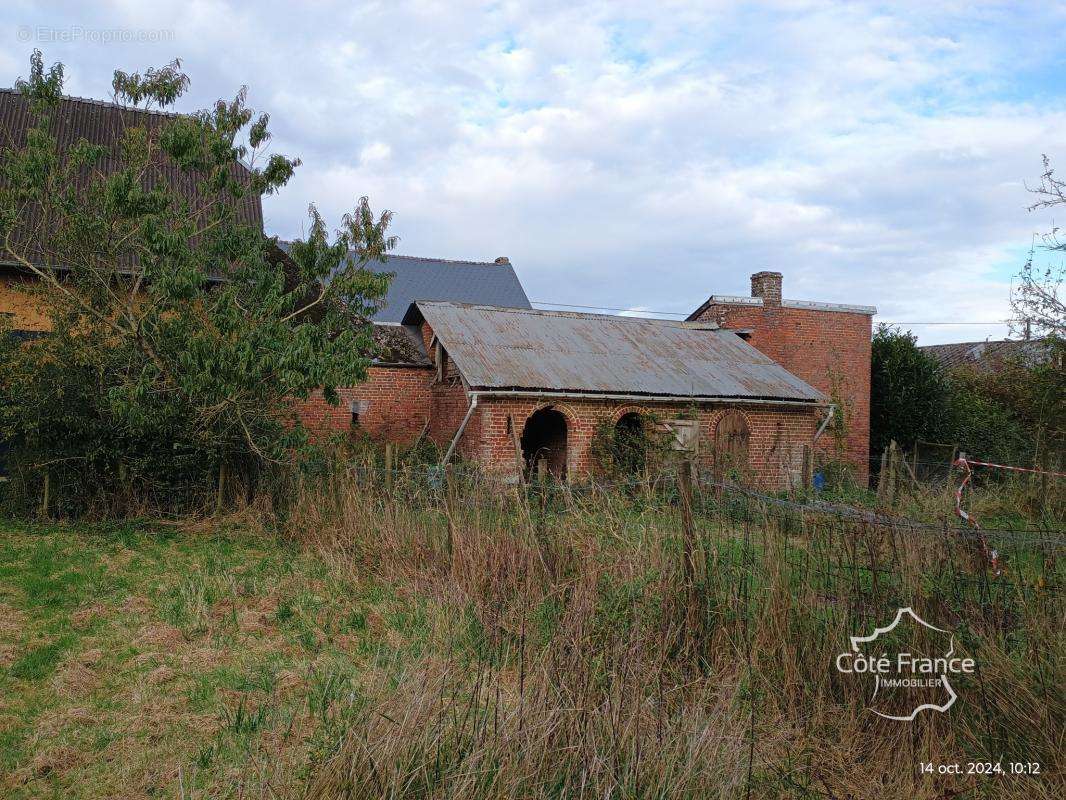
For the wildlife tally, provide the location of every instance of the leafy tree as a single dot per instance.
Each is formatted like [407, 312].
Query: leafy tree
[1035, 296]
[155, 376]
[1013, 414]
[908, 392]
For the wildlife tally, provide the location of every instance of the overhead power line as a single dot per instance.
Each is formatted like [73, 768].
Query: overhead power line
[610, 308]
[685, 314]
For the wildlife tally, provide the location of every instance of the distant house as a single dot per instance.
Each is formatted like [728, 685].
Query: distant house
[990, 356]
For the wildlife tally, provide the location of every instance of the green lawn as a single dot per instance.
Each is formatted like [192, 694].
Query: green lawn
[139, 661]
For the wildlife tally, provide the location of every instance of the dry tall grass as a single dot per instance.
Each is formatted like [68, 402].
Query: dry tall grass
[602, 652]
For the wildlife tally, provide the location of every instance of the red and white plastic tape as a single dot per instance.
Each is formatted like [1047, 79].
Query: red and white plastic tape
[990, 554]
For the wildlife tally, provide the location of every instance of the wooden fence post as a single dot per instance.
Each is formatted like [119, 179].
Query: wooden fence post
[893, 472]
[45, 494]
[518, 464]
[220, 500]
[688, 545]
[449, 512]
[882, 478]
[388, 465]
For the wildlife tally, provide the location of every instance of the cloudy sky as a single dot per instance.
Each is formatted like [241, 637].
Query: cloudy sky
[638, 154]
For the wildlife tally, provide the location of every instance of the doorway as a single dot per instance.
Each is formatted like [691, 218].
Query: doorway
[544, 444]
[731, 440]
[630, 443]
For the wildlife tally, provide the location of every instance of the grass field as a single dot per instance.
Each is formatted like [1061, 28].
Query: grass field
[138, 662]
[445, 642]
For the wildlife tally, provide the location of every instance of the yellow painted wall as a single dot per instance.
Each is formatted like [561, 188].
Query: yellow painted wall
[23, 308]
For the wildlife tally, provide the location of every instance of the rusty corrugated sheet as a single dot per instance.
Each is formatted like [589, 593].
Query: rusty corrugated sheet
[501, 348]
[104, 124]
[990, 356]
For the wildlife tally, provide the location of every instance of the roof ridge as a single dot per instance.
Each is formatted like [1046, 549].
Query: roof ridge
[429, 258]
[449, 260]
[571, 314]
[809, 305]
[107, 104]
[1037, 340]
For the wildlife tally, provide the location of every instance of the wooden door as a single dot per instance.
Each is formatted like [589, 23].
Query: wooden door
[731, 446]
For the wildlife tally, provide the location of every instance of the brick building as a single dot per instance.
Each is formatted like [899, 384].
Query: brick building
[825, 344]
[513, 388]
[517, 389]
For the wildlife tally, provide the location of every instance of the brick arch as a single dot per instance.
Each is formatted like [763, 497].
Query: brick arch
[561, 468]
[716, 416]
[621, 411]
[562, 408]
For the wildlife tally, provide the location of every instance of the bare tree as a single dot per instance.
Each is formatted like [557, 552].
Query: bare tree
[1036, 302]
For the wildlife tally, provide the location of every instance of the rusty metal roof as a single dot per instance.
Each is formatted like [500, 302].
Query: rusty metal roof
[990, 356]
[526, 349]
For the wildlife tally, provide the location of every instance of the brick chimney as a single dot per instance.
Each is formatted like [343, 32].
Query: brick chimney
[767, 285]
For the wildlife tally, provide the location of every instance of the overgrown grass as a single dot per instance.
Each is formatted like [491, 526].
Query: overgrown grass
[139, 661]
[444, 639]
[616, 656]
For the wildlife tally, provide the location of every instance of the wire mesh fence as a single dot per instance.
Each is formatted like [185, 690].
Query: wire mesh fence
[636, 600]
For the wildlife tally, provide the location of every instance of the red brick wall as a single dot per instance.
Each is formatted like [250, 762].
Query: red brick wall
[401, 399]
[449, 404]
[399, 404]
[821, 347]
[775, 449]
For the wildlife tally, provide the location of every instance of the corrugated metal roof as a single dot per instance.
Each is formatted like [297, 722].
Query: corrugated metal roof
[506, 348]
[990, 356]
[104, 124]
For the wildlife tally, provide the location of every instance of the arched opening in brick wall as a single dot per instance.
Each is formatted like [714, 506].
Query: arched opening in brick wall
[731, 439]
[630, 446]
[544, 444]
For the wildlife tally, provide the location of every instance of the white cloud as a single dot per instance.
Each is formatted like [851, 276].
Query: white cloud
[641, 154]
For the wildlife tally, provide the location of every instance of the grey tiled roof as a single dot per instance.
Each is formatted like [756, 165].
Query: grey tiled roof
[485, 282]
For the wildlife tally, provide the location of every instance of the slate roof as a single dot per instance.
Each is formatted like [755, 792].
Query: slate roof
[103, 123]
[415, 278]
[487, 282]
[520, 349]
[989, 356]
